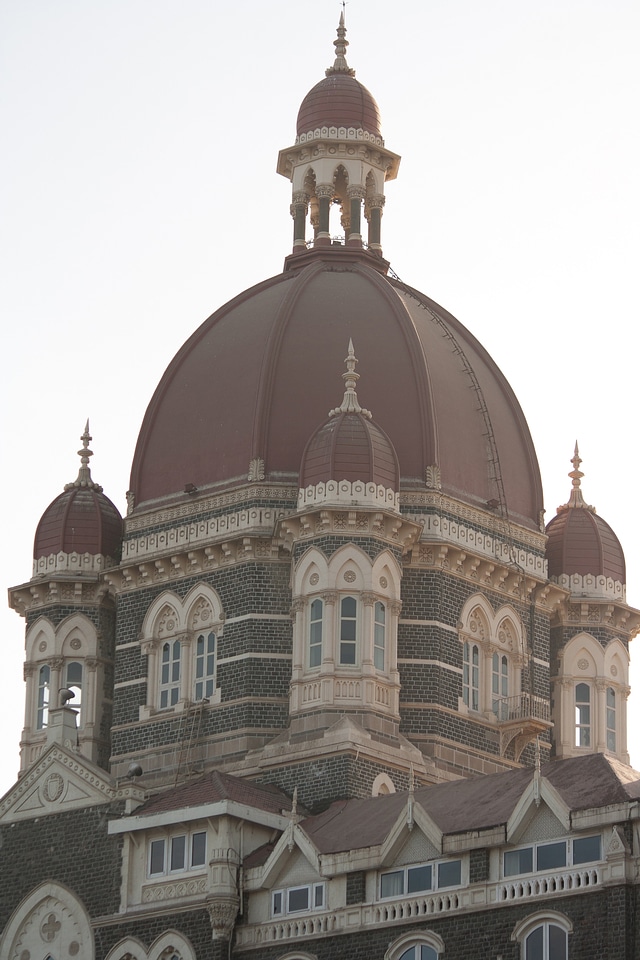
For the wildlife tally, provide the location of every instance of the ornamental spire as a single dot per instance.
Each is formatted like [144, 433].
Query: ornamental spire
[84, 473]
[576, 499]
[340, 64]
[350, 401]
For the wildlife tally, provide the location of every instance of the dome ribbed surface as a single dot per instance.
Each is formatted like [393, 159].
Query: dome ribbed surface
[256, 379]
[350, 447]
[339, 101]
[581, 542]
[81, 520]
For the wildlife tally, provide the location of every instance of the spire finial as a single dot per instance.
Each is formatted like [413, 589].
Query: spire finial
[350, 401]
[340, 64]
[84, 473]
[576, 499]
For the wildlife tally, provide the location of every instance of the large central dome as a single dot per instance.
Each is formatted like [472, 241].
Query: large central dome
[256, 380]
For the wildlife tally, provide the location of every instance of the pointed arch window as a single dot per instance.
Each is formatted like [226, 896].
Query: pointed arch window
[500, 685]
[471, 675]
[583, 715]
[170, 673]
[348, 624]
[611, 719]
[205, 666]
[73, 682]
[315, 633]
[44, 682]
[379, 635]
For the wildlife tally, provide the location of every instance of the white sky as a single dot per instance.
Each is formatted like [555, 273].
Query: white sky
[138, 193]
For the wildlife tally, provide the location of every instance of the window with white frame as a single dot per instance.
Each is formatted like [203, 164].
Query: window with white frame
[421, 951]
[316, 614]
[170, 674]
[492, 659]
[177, 853]
[205, 666]
[379, 635]
[471, 675]
[298, 899]
[546, 940]
[500, 685]
[553, 855]
[348, 630]
[44, 681]
[583, 715]
[73, 682]
[422, 946]
[420, 878]
[611, 719]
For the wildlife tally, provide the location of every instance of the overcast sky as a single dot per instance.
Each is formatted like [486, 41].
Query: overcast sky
[138, 193]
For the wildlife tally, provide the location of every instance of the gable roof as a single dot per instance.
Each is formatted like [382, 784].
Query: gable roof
[215, 787]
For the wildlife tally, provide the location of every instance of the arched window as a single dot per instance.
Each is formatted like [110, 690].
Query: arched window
[44, 680]
[170, 674]
[427, 946]
[546, 942]
[583, 715]
[315, 633]
[73, 681]
[471, 676]
[419, 952]
[611, 719]
[379, 636]
[500, 685]
[205, 666]
[348, 623]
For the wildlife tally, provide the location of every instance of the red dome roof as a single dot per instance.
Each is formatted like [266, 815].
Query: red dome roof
[350, 447]
[81, 520]
[339, 101]
[259, 375]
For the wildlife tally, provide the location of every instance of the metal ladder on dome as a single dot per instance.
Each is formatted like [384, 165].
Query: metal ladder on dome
[188, 734]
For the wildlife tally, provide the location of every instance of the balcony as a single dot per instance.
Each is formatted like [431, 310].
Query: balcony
[521, 719]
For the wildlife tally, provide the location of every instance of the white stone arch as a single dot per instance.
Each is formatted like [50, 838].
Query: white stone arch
[76, 627]
[128, 949]
[493, 657]
[350, 569]
[52, 918]
[420, 938]
[298, 955]
[312, 561]
[386, 575]
[165, 617]
[39, 633]
[170, 943]
[542, 918]
[616, 662]
[203, 608]
[382, 785]
[476, 618]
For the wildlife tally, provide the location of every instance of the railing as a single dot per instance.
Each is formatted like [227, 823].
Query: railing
[543, 886]
[524, 706]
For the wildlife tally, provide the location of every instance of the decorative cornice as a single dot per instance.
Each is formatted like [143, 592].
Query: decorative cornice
[343, 493]
[339, 133]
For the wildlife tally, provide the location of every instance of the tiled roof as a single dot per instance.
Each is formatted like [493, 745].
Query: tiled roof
[215, 787]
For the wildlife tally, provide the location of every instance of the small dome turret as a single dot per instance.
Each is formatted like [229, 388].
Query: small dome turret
[350, 446]
[580, 542]
[82, 520]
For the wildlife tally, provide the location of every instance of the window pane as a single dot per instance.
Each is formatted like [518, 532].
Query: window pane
[277, 904]
[518, 861]
[298, 899]
[74, 673]
[534, 945]
[418, 878]
[428, 953]
[348, 607]
[557, 943]
[318, 895]
[392, 884]
[586, 850]
[198, 849]
[178, 847]
[449, 874]
[551, 855]
[156, 861]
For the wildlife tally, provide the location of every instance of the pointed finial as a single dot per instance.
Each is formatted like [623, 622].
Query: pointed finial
[340, 64]
[294, 803]
[350, 401]
[410, 799]
[537, 771]
[84, 473]
[576, 499]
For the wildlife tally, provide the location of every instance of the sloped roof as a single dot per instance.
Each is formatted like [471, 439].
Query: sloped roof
[215, 787]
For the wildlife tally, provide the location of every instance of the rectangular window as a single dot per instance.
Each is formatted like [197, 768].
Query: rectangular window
[198, 849]
[379, 636]
[205, 666]
[276, 908]
[549, 856]
[170, 674]
[587, 850]
[518, 861]
[611, 719]
[420, 879]
[315, 634]
[392, 884]
[450, 874]
[178, 850]
[156, 858]
[298, 899]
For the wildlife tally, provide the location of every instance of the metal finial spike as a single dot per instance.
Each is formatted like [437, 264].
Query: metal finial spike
[350, 400]
[84, 473]
[576, 498]
[340, 64]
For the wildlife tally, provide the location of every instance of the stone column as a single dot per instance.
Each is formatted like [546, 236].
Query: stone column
[299, 209]
[325, 193]
[373, 210]
[356, 195]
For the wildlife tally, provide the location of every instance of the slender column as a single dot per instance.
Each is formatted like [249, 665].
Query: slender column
[356, 194]
[373, 210]
[324, 193]
[299, 209]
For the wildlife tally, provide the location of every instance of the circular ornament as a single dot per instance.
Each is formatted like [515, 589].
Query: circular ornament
[25, 955]
[76, 643]
[384, 583]
[583, 663]
[614, 670]
[350, 576]
[314, 578]
[74, 948]
[43, 646]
